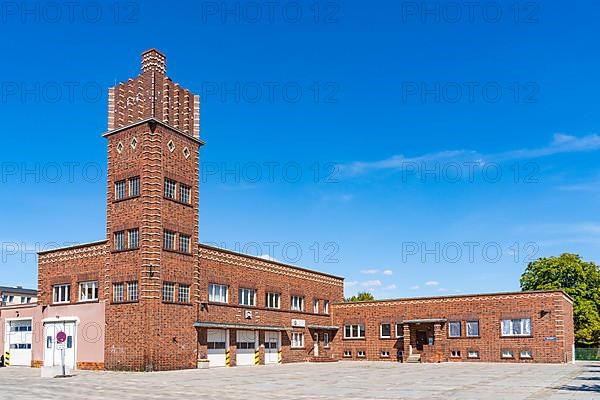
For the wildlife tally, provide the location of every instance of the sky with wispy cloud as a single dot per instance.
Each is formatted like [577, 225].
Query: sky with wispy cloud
[415, 156]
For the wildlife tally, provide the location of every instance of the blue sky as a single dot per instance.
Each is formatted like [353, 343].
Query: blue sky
[452, 145]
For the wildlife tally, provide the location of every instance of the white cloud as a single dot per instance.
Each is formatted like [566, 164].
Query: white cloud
[432, 283]
[371, 283]
[370, 271]
[416, 287]
[388, 272]
[391, 287]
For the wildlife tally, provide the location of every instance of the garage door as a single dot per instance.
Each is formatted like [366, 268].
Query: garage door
[246, 344]
[217, 346]
[19, 340]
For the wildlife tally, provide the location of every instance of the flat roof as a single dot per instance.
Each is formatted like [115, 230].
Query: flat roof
[459, 296]
[207, 246]
[75, 246]
[19, 290]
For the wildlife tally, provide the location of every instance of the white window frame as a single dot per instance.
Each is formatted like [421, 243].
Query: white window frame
[326, 340]
[399, 333]
[133, 238]
[218, 293]
[316, 306]
[361, 354]
[118, 292]
[470, 324]
[247, 297]
[507, 327]
[297, 303]
[526, 354]
[356, 331]
[120, 240]
[120, 190]
[273, 300]
[297, 340]
[168, 292]
[170, 189]
[84, 288]
[453, 323]
[169, 238]
[507, 354]
[384, 354]
[454, 353]
[381, 336]
[185, 194]
[472, 353]
[134, 186]
[61, 294]
[183, 294]
[133, 293]
[325, 306]
[347, 353]
[185, 242]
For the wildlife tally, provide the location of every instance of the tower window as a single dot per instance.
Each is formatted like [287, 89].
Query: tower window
[168, 292]
[120, 240]
[134, 186]
[170, 187]
[119, 190]
[169, 240]
[184, 243]
[184, 293]
[133, 241]
[185, 194]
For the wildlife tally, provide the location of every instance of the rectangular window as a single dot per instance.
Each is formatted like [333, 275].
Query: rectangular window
[347, 353]
[472, 354]
[297, 303]
[217, 293]
[88, 291]
[61, 294]
[247, 297]
[273, 300]
[119, 190]
[455, 354]
[120, 240]
[473, 328]
[361, 354]
[356, 331]
[132, 291]
[316, 306]
[184, 293]
[326, 306]
[168, 292]
[454, 328]
[525, 354]
[326, 340]
[184, 243]
[118, 293]
[384, 354]
[133, 238]
[297, 340]
[168, 240]
[134, 186]
[385, 331]
[399, 331]
[507, 354]
[170, 186]
[516, 327]
[185, 194]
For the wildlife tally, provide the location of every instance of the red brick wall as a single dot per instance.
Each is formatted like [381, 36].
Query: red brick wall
[489, 310]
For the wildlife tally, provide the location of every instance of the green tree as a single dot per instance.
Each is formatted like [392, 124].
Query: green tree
[580, 280]
[361, 296]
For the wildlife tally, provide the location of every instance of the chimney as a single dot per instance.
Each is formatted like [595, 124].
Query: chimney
[154, 60]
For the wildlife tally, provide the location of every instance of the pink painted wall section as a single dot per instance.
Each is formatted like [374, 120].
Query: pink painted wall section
[32, 311]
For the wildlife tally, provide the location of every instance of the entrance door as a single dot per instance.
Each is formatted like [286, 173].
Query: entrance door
[421, 339]
[217, 343]
[19, 341]
[272, 347]
[316, 345]
[52, 354]
[246, 345]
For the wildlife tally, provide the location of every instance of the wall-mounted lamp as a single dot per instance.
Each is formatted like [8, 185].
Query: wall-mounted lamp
[151, 271]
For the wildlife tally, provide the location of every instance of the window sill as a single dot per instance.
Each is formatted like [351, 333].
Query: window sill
[125, 199]
[177, 252]
[178, 202]
[385, 337]
[125, 250]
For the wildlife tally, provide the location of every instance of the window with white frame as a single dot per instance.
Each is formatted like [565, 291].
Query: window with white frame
[316, 306]
[507, 354]
[525, 354]
[88, 291]
[347, 353]
[354, 331]
[118, 293]
[455, 353]
[217, 293]
[326, 340]
[61, 294]
[133, 238]
[361, 354]
[472, 354]
[272, 300]
[120, 240]
[134, 186]
[399, 331]
[168, 292]
[297, 340]
[119, 190]
[247, 297]
[184, 243]
[170, 187]
[132, 291]
[297, 303]
[516, 327]
[326, 306]
[472, 328]
[384, 354]
[454, 329]
[168, 240]
[184, 293]
[385, 331]
[185, 194]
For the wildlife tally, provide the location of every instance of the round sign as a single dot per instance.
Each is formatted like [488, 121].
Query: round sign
[61, 337]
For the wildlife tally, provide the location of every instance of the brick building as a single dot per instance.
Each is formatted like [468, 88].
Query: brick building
[149, 297]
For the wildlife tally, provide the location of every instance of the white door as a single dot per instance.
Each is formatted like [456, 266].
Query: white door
[316, 345]
[218, 342]
[19, 341]
[272, 340]
[246, 345]
[52, 352]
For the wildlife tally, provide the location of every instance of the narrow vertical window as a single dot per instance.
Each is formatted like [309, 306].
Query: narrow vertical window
[134, 186]
[119, 190]
[133, 240]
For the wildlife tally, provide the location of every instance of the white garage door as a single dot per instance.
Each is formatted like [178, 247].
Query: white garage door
[246, 344]
[217, 340]
[18, 342]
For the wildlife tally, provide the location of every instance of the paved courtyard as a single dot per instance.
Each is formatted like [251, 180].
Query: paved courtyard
[342, 380]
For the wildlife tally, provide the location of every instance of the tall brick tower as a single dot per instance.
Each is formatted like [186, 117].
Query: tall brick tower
[151, 279]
